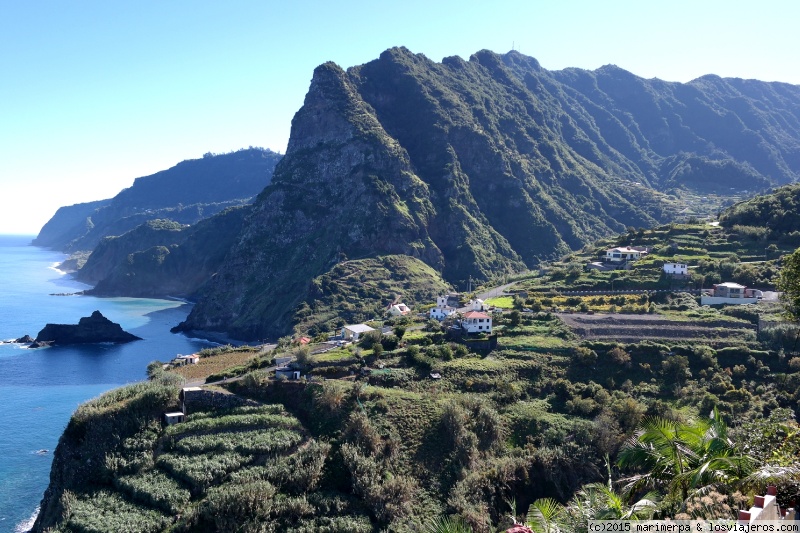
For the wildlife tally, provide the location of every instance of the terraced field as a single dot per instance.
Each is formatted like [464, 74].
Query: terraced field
[228, 469]
[635, 328]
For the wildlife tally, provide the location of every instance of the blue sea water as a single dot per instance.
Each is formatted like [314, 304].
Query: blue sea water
[39, 389]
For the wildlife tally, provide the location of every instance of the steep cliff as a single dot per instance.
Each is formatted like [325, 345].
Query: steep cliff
[186, 193]
[151, 263]
[116, 250]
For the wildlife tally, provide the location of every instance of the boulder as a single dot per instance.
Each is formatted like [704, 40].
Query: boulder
[91, 329]
[27, 339]
[40, 344]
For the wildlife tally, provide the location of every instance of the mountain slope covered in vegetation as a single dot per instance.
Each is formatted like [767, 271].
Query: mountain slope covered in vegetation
[186, 193]
[481, 167]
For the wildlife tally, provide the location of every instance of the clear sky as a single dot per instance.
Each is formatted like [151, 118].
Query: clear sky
[96, 93]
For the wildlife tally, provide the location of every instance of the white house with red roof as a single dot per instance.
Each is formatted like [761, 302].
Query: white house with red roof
[476, 322]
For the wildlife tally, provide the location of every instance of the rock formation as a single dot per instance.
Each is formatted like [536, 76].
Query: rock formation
[91, 329]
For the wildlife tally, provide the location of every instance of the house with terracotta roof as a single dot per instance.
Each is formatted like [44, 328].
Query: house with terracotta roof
[476, 322]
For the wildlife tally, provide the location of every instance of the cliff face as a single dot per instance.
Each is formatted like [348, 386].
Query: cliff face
[478, 167]
[348, 190]
[114, 251]
[150, 263]
[186, 193]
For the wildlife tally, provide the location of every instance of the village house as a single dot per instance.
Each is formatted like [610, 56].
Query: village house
[399, 309]
[353, 331]
[476, 322]
[181, 360]
[477, 305]
[623, 254]
[730, 293]
[443, 308]
[679, 269]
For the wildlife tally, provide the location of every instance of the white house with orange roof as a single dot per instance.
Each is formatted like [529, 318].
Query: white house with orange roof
[476, 322]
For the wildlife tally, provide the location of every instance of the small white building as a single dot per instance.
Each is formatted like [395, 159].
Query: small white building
[399, 310]
[354, 331]
[476, 322]
[174, 418]
[626, 253]
[445, 306]
[729, 293]
[440, 313]
[192, 359]
[287, 373]
[680, 269]
[477, 305]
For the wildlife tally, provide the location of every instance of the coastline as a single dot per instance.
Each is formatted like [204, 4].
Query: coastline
[27, 525]
[42, 388]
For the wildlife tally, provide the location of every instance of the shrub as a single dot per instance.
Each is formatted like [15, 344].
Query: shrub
[619, 356]
[390, 342]
[584, 356]
[370, 339]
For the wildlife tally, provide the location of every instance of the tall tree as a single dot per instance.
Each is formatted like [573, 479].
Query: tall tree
[789, 284]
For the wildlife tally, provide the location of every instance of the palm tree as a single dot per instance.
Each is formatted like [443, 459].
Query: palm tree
[546, 515]
[447, 525]
[683, 457]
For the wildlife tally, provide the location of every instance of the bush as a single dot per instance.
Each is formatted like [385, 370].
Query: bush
[390, 342]
[584, 356]
[370, 339]
[619, 356]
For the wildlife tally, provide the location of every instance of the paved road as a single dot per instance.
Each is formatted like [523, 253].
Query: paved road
[495, 291]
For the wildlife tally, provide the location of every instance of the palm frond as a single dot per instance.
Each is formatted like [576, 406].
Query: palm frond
[444, 524]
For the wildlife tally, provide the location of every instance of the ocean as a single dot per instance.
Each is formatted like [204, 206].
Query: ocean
[39, 389]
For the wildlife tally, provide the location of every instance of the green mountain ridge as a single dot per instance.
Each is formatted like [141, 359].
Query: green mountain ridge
[477, 168]
[186, 193]
[168, 261]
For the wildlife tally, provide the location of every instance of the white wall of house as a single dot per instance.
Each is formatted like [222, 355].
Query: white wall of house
[353, 332]
[440, 313]
[399, 310]
[719, 300]
[676, 268]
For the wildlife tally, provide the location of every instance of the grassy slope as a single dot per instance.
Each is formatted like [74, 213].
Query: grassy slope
[356, 291]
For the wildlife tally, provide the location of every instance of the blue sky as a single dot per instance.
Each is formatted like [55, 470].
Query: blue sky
[94, 94]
